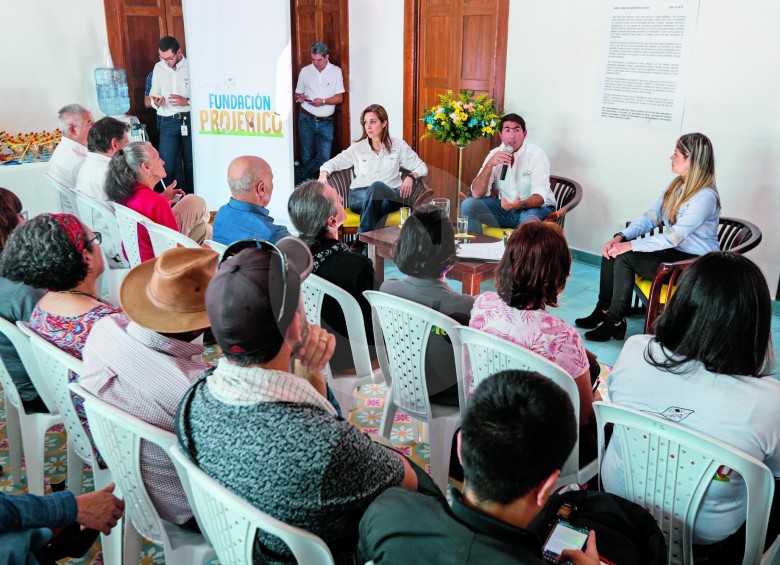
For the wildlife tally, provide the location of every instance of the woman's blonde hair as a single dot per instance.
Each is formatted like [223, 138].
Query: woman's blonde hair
[381, 113]
[700, 174]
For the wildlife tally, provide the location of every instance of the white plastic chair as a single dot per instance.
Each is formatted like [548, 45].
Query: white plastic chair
[485, 354]
[668, 469]
[401, 335]
[27, 431]
[128, 221]
[65, 198]
[216, 246]
[55, 366]
[118, 436]
[99, 216]
[314, 290]
[231, 523]
[164, 238]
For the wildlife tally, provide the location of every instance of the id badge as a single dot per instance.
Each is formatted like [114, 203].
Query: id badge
[184, 130]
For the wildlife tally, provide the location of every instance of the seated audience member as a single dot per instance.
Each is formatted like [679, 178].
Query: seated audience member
[60, 254]
[27, 521]
[520, 172]
[143, 362]
[132, 173]
[245, 216]
[107, 136]
[288, 453]
[317, 212]
[530, 276]
[518, 431]
[69, 155]
[17, 301]
[424, 253]
[703, 370]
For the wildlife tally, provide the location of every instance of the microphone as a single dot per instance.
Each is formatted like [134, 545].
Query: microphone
[505, 167]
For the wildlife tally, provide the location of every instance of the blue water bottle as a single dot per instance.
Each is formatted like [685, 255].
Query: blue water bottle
[112, 92]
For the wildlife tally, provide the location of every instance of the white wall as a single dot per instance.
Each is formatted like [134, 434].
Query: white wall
[551, 81]
[51, 49]
[552, 65]
[376, 46]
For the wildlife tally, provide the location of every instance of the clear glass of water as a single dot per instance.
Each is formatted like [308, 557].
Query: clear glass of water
[405, 212]
[463, 225]
[443, 203]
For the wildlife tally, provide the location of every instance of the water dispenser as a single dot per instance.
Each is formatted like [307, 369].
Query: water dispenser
[112, 92]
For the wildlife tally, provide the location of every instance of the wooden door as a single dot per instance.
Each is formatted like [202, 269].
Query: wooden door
[134, 31]
[328, 21]
[451, 45]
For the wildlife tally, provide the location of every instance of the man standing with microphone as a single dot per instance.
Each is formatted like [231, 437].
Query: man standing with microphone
[520, 172]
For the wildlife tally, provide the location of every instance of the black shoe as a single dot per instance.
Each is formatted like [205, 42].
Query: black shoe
[607, 330]
[358, 247]
[596, 317]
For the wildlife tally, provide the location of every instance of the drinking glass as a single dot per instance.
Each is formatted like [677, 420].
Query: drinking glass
[443, 203]
[405, 213]
[463, 225]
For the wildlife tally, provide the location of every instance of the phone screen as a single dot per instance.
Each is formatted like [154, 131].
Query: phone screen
[564, 536]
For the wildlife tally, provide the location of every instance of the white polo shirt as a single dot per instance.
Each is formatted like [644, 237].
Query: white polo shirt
[315, 84]
[65, 162]
[92, 176]
[529, 174]
[167, 81]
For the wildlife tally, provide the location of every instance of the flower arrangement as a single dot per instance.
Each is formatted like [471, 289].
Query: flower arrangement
[461, 118]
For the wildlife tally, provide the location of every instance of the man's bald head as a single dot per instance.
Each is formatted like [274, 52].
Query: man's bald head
[250, 179]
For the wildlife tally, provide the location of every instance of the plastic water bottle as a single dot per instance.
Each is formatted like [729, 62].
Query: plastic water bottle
[112, 92]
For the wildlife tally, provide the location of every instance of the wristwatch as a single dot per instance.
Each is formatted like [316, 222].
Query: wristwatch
[622, 237]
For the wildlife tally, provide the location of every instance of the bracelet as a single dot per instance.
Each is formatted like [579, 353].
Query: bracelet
[622, 237]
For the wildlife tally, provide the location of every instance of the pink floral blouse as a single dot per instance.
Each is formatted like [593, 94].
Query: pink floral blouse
[537, 330]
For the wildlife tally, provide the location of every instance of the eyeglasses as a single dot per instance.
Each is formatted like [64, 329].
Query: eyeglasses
[98, 238]
[168, 59]
[23, 215]
[237, 247]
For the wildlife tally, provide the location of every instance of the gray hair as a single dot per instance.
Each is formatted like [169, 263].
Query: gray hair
[248, 180]
[310, 209]
[123, 170]
[319, 48]
[72, 114]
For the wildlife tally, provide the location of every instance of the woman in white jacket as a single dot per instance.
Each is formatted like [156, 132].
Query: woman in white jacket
[377, 158]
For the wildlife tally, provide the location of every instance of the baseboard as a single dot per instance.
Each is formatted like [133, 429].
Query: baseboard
[586, 257]
[595, 260]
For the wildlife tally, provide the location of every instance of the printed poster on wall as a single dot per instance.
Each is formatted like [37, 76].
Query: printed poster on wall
[645, 62]
[241, 93]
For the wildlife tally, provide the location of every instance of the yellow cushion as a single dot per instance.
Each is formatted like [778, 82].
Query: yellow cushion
[645, 284]
[353, 220]
[393, 219]
[498, 233]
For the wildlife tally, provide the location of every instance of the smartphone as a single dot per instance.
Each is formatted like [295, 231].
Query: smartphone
[563, 536]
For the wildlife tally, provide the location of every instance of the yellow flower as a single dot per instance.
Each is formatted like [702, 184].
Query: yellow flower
[430, 126]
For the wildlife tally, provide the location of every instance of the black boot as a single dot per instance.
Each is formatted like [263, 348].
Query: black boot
[607, 330]
[596, 317]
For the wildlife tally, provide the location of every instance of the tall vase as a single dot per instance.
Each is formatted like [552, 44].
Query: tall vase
[460, 147]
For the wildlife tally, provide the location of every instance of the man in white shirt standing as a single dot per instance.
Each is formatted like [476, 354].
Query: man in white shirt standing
[107, 136]
[320, 88]
[520, 172]
[170, 95]
[75, 123]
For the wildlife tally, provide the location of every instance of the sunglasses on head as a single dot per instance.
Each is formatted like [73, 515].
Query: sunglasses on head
[238, 246]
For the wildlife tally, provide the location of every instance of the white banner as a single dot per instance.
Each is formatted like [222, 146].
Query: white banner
[241, 93]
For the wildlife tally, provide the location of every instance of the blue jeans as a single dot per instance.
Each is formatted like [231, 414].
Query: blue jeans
[489, 211]
[173, 148]
[373, 203]
[315, 138]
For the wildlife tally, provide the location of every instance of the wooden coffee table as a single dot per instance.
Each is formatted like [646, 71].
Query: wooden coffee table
[471, 273]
